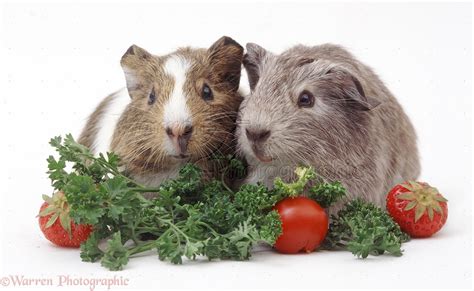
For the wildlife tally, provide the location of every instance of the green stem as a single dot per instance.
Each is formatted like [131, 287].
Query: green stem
[117, 173]
[143, 189]
[223, 181]
[208, 227]
[142, 248]
[173, 226]
[145, 246]
[103, 164]
[177, 236]
[146, 229]
[134, 237]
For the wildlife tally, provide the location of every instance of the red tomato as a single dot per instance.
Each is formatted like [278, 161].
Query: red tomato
[304, 222]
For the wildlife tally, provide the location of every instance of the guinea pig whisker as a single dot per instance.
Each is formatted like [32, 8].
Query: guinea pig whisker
[228, 119]
[149, 159]
[233, 139]
[207, 150]
[139, 131]
[296, 153]
[228, 113]
[215, 133]
[158, 157]
[220, 116]
[151, 162]
[203, 154]
[243, 122]
[136, 154]
[138, 151]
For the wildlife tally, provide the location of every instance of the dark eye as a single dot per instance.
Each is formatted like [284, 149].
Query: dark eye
[207, 93]
[151, 98]
[306, 99]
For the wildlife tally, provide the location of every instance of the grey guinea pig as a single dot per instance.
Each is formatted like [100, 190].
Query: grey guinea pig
[319, 106]
[177, 108]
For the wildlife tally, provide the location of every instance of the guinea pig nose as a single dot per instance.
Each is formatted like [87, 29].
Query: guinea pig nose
[257, 135]
[180, 136]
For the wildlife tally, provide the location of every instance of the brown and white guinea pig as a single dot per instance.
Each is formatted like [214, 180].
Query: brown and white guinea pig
[177, 108]
[319, 106]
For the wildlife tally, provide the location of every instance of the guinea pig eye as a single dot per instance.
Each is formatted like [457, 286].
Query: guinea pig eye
[206, 93]
[151, 98]
[306, 99]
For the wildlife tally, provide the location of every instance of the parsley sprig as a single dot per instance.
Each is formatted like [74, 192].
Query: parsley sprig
[364, 229]
[189, 217]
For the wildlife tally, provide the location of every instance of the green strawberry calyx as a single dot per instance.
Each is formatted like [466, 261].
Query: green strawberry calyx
[423, 198]
[58, 209]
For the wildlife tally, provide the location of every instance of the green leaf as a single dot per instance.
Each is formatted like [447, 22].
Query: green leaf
[364, 229]
[55, 141]
[65, 222]
[52, 220]
[193, 216]
[86, 202]
[437, 208]
[116, 187]
[406, 196]
[169, 249]
[90, 251]
[410, 205]
[116, 256]
[327, 193]
[413, 185]
[48, 199]
[177, 259]
[440, 198]
[420, 210]
[304, 175]
[48, 210]
[193, 249]
[430, 213]
[270, 227]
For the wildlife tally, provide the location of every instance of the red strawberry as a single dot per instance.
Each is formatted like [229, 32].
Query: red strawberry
[56, 224]
[418, 208]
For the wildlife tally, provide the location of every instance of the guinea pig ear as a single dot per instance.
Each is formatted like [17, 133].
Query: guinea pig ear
[352, 90]
[132, 63]
[252, 62]
[225, 60]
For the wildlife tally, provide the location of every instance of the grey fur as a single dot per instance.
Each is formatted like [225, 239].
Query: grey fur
[356, 132]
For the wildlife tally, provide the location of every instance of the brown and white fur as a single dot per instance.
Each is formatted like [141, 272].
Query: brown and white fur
[164, 119]
[352, 129]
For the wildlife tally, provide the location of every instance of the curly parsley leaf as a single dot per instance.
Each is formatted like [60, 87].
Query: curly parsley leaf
[303, 174]
[327, 193]
[116, 256]
[90, 251]
[191, 216]
[365, 229]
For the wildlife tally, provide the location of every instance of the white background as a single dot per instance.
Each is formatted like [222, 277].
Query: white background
[59, 60]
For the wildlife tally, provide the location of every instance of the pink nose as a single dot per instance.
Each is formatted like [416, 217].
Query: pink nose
[180, 136]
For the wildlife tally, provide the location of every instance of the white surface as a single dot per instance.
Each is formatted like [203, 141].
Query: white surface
[59, 60]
